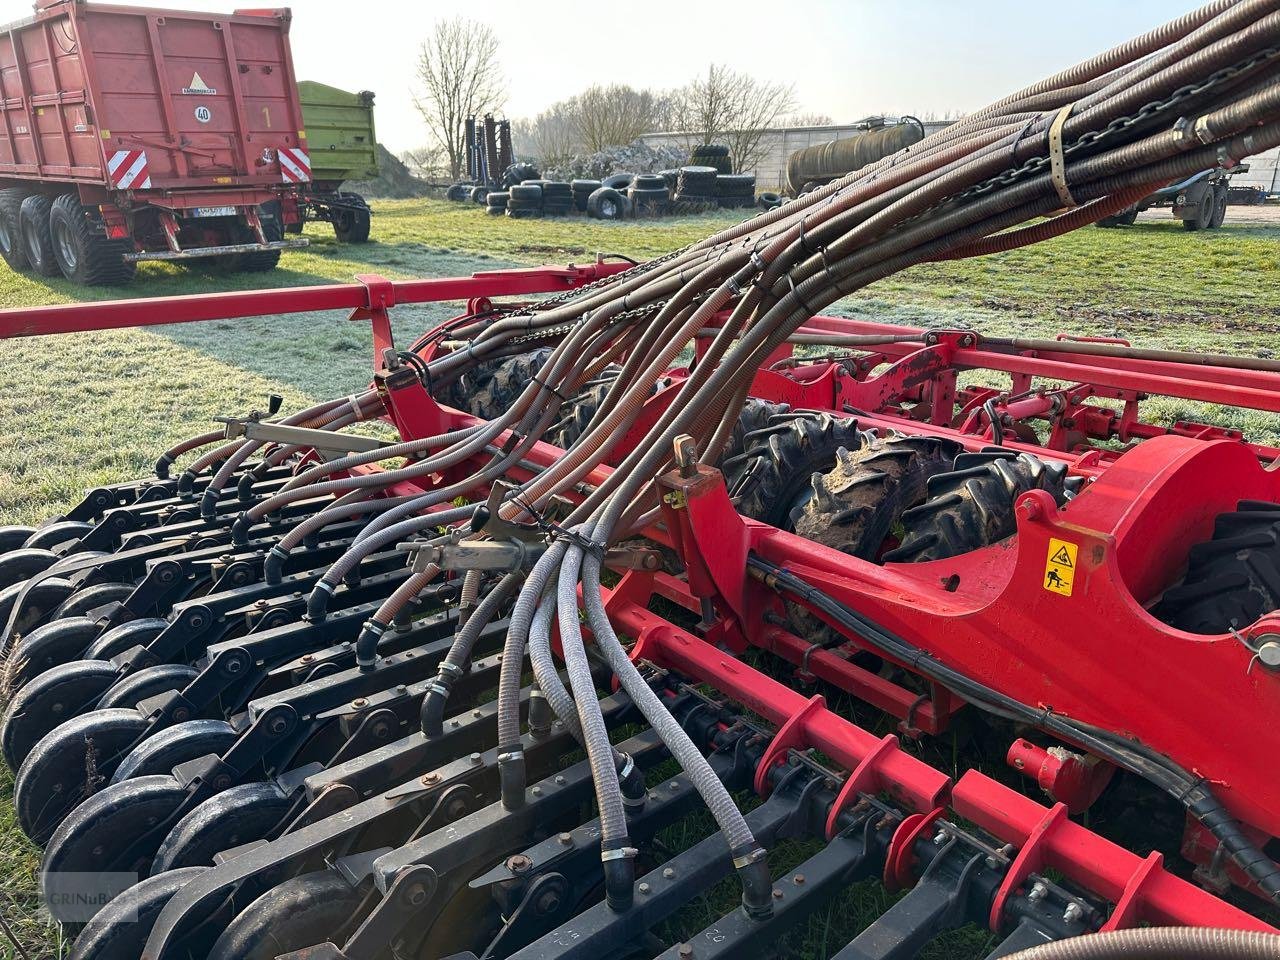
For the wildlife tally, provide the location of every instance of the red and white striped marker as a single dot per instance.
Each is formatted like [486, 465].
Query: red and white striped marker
[127, 170]
[295, 165]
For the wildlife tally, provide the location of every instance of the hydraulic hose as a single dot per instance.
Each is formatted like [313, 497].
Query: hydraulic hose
[1159, 943]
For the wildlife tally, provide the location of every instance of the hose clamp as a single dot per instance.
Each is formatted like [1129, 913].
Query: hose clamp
[1057, 161]
[510, 756]
[452, 668]
[748, 859]
[356, 407]
[621, 853]
[374, 627]
[326, 586]
[439, 688]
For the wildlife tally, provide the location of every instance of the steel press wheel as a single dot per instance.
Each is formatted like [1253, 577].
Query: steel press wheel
[239, 815]
[115, 831]
[119, 931]
[56, 642]
[299, 913]
[69, 764]
[57, 695]
[168, 748]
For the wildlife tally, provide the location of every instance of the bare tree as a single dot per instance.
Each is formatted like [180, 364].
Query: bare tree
[459, 76]
[806, 120]
[551, 137]
[614, 116]
[732, 108]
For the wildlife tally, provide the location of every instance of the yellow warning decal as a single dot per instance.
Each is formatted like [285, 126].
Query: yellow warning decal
[105, 134]
[1060, 566]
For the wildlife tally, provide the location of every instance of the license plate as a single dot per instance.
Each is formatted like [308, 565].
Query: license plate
[215, 211]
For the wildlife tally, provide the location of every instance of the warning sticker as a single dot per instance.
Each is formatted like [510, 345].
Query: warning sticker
[1060, 566]
[198, 86]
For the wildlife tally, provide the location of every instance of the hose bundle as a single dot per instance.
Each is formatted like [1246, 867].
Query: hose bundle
[1087, 142]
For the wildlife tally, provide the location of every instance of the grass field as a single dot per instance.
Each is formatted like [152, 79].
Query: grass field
[86, 409]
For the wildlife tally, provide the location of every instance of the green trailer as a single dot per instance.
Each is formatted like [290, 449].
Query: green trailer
[343, 146]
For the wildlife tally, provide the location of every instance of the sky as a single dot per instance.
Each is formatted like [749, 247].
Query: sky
[845, 59]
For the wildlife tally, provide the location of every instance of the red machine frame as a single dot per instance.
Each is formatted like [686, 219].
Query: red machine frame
[985, 613]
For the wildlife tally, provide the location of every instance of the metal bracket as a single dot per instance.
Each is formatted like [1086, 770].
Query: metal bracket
[325, 441]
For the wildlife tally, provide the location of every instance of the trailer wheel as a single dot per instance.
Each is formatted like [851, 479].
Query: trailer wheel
[1219, 207]
[769, 480]
[12, 248]
[1233, 578]
[260, 261]
[972, 505]
[84, 254]
[855, 507]
[352, 226]
[1202, 219]
[37, 241]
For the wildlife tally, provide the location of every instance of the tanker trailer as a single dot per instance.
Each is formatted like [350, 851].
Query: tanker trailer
[824, 162]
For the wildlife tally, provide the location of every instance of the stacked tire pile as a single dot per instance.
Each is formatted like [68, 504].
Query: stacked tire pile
[736, 190]
[712, 155]
[696, 188]
[557, 198]
[582, 191]
[649, 195]
[524, 200]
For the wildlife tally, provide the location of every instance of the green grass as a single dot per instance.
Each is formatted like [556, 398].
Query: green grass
[87, 409]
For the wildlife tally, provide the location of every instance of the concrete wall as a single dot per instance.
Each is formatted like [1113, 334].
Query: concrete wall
[1263, 172]
[771, 172]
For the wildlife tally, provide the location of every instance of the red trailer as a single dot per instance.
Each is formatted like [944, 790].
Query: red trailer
[131, 134]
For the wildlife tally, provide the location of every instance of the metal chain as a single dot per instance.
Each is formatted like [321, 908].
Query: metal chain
[1148, 111]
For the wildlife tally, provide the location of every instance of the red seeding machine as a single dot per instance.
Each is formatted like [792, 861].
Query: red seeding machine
[680, 614]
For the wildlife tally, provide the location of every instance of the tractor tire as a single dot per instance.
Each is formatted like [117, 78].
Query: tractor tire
[769, 479]
[856, 506]
[457, 192]
[260, 261]
[12, 249]
[1233, 578]
[607, 204]
[37, 240]
[582, 189]
[618, 181]
[478, 194]
[769, 201]
[499, 386]
[83, 252]
[971, 506]
[1219, 208]
[577, 414]
[352, 226]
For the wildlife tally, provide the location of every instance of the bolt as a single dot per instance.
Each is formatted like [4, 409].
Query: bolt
[476, 713]
[475, 758]
[1073, 912]
[565, 838]
[279, 725]
[235, 666]
[1038, 892]
[798, 878]
[181, 714]
[940, 838]
[519, 863]
[401, 689]
[673, 786]
[643, 888]
[260, 604]
[417, 894]
[668, 874]
[430, 778]
[359, 702]
[536, 790]
[685, 951]
[560, 781]
[307, 658]
[686, 455]
[777, 894]
[548, 901]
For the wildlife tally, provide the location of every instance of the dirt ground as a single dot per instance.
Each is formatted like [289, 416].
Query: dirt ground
[1268, 214]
